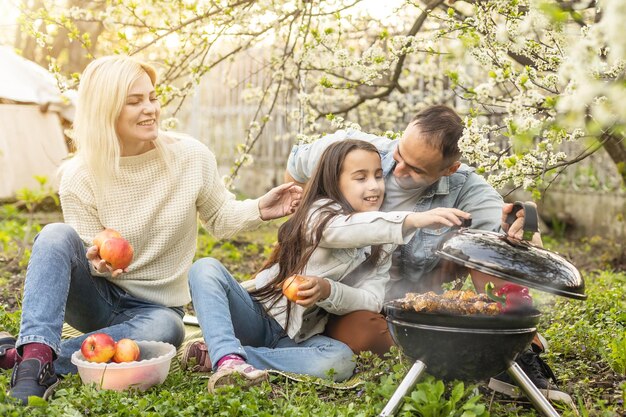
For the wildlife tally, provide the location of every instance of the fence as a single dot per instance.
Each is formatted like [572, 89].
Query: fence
[217, 115]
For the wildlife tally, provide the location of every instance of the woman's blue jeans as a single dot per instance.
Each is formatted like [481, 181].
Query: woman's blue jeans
[233, 322]
[59, 286]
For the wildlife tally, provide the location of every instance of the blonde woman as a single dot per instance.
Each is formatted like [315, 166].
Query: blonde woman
[150, 187]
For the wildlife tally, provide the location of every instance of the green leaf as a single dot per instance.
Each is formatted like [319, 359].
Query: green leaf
[34, 401]
[325, 82]
[554, 12]
[457, 392]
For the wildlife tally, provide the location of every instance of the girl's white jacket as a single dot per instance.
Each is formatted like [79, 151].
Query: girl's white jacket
[346, 242]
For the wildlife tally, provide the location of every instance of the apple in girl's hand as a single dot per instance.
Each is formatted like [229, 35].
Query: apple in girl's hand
[290, 287]
[117, 251]
[104, 235]
[127, 350]
[98, 347]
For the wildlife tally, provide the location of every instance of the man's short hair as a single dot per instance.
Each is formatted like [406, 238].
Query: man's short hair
[442, 128]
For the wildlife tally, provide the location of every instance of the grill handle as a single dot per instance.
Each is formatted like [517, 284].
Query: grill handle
[531, 218]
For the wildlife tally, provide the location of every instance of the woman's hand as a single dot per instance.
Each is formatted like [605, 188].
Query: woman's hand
[435, 218]
[313, 290]
[101, 265]
[280, 201]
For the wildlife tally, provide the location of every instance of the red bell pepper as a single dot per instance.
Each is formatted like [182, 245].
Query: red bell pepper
[510, 296]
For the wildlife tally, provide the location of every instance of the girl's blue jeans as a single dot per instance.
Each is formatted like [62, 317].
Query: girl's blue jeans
[233, 322]
[59, 286]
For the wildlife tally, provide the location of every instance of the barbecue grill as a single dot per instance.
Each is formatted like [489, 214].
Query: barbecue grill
[476, 347]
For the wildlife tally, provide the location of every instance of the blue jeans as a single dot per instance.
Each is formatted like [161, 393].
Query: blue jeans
[59, 286]
[233, 322]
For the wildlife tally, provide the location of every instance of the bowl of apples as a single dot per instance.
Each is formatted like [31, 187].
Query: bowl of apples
[123, 364]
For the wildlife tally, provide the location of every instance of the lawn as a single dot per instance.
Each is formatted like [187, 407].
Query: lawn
[587, 350]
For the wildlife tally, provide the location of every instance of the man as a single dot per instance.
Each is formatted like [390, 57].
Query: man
[422, 172]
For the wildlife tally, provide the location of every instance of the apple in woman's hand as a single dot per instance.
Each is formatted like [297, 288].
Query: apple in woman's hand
[98, 347]
[113, 248]
[117, 251]
[290, 287]
[104, 235]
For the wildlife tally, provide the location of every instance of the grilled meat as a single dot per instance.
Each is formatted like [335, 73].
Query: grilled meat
[450, 302]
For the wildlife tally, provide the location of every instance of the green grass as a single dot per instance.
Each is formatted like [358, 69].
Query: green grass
[185, 394]
[587, 352]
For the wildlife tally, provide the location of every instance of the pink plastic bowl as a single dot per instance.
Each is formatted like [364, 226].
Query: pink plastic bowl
[151, 370]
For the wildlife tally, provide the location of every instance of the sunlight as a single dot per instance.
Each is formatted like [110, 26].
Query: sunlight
[172, 40]
[380, 9]
[9, 13]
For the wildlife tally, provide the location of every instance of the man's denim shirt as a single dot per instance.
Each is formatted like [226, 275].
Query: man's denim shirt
[464, 190]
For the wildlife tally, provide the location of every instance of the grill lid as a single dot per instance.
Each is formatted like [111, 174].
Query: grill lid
[513, 259]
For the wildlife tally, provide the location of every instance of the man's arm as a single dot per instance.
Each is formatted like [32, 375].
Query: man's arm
[288, 178]
[489, 212]
[481, 200]
[303, 158]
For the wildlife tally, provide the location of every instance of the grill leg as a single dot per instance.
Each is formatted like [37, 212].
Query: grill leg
[408, 382]
[532, 392]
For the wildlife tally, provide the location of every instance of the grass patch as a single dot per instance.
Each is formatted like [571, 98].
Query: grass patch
[587, 352]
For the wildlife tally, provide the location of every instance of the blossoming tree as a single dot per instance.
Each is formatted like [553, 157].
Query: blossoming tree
[527, 75]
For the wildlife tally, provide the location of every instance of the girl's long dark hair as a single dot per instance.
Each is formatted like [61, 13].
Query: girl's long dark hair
[296, 238]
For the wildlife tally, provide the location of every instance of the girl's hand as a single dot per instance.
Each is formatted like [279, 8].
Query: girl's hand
[101, 265]
[313, 290]
[437, 217]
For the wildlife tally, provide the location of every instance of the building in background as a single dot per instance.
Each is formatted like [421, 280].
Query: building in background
[33, 113]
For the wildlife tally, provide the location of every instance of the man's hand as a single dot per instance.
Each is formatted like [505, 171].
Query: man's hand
[280, 201]
[516, 229]
[101, 265]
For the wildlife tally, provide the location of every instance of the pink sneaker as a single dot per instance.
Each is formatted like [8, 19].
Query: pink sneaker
[225, 374]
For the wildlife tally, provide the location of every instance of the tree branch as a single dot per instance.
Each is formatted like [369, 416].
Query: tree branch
[393, 84]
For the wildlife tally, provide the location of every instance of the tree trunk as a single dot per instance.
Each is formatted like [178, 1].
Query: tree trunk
[616, 148]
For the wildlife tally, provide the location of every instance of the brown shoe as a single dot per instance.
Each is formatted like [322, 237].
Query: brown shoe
[195, 357]
[6, 342]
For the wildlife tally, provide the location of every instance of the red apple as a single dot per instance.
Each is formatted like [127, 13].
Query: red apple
[290, 287]
[117, 251]
[98, 347]
[104, 235]
[127, 350]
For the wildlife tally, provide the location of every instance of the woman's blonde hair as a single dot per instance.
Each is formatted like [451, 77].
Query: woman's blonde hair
[104, 86]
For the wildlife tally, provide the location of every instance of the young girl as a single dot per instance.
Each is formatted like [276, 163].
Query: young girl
[150, 187]
[336, 229]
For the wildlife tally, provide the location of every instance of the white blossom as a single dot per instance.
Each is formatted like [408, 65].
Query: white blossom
[171, 123]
